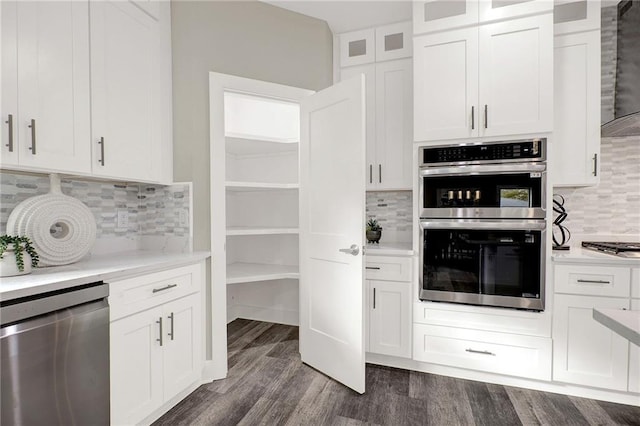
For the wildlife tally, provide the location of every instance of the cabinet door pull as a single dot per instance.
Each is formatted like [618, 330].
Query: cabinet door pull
[374, 298]
[377, 268]
[157, 290]
[380, 173]
[171, 326]
[370, 173]
[10, 126]
[159, 322]
[101, 143]
[486, 116]
[474, 351]
[33, 136]
[473, 117]
[594, 281]
[595, 164]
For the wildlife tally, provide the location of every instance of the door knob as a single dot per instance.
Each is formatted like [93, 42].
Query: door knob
[354, 250]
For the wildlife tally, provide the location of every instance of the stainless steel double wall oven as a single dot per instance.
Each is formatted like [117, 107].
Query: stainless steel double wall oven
[483, 223]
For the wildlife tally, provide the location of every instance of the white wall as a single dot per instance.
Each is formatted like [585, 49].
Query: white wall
[244, 38]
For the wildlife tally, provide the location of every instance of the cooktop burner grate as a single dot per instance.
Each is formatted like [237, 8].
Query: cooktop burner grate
[619, 248]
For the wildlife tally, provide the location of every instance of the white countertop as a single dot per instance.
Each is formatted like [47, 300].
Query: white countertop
[98, 268]
[581, 255]
[625, 323]
[389, 249]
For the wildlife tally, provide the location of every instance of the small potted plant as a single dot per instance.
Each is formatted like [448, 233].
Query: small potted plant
[17, 256]
[374, 231]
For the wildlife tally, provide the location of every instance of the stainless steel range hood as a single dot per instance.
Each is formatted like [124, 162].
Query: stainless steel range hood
[627, 91]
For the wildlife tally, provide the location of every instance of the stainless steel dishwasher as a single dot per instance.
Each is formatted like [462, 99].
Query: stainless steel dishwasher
[54, 358]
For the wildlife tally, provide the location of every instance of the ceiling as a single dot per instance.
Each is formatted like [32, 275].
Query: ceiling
[349, 15]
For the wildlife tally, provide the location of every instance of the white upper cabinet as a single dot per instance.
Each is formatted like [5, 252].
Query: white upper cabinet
[126, 94]
[393, 41]
[45, 86]
[438, 15]
[388, 110]
[516, 76]
[357, 47]
[570, 16]
[466, 80]
[576, 142]
[446, 85]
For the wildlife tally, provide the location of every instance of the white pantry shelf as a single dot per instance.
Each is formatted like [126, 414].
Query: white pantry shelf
[252, 272]
[258, 186]
[260, 230]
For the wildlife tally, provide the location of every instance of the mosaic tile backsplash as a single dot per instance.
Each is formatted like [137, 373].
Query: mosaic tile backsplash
[612, 207]
[394, 212]
[153, 210]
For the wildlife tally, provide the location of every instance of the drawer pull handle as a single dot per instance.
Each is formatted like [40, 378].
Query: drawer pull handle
[157, 290]
[377, 268]
[159, 322]
[171, 327]
[374, 298]
[473, 351]
[594, 281]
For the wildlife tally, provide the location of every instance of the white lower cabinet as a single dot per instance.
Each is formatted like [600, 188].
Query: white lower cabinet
[585, 351]
[390, 318]
[389, 305]
[157, 351]
[634, 357]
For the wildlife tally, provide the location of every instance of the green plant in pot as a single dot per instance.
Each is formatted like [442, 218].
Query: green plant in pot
[374, 231]
[17, 255]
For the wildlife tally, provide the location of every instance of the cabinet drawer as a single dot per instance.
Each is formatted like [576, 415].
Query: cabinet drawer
[611, 281]
[635, 283]
[483, 318]
[135, 294]
[388, 268]
[502, 353]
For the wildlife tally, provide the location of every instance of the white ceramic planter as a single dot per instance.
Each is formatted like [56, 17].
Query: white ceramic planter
[8, 266]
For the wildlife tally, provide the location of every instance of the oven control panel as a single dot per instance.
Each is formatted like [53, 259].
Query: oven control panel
[494, 152]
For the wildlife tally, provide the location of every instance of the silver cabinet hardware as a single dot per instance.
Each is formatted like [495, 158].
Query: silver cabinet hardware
[370, 173]
[159, 322]
[353, 250]
[377, 268]
[595, 164]
[374, 298]
[101, 143]
[380, 173]
[171, 326]
[594, 281]
[157, 290]
[10, 126]
[486, 116]
[473, 117]
[33, 136]
[473, 351]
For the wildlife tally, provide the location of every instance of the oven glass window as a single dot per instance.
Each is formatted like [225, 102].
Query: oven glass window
[492, 262]
[513, 190]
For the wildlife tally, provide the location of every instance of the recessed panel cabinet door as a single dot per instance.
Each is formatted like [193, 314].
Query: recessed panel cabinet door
[125, 100]
[445, 85]
[586, 352]
[394, 124]
[390, 318]
[9, 74]
[136, 366]
[332, 192]
[52, 123]
[516, 76]
[182, 351]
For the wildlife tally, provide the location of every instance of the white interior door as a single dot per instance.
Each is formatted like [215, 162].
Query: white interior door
[332, 198]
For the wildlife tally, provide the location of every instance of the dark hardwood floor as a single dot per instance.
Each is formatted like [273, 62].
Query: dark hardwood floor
[268, 385]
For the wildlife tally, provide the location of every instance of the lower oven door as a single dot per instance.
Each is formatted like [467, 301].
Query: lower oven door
[494, 263]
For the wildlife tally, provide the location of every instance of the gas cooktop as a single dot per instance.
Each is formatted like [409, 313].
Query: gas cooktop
[623, 249]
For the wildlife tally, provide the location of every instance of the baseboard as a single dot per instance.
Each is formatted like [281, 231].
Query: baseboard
[259, 313]
[213, 370]
[461, 373]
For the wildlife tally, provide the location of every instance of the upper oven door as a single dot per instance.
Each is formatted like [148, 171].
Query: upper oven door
[514, 191]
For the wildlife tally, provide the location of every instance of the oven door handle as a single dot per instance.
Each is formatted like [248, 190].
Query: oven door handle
[510, 225]
[500, 169]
